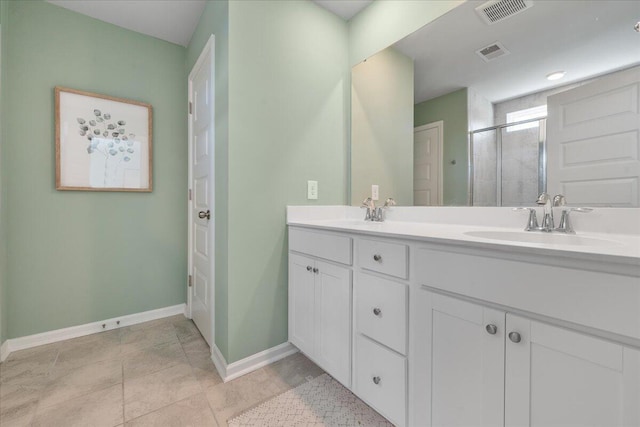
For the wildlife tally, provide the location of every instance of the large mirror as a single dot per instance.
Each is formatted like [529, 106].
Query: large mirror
[467, 111]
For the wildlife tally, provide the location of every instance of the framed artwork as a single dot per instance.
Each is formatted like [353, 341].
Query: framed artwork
[102, 143]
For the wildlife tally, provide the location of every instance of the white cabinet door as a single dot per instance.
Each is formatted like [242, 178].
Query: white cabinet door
[466, 366]
[557, 377]
[302, 303]
[333, 320]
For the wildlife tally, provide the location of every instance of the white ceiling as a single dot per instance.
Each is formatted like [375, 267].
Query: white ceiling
[170, 20]
[583, 38]
[346, 9]
[173, 20]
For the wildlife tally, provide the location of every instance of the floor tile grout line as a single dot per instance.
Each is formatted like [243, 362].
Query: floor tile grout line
[162, 407]
[99, 388]
[122, 373]
[213, 412]
[169, 404]
[166, 406]
[44, 388]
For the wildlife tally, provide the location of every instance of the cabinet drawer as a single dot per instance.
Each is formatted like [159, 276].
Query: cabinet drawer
[376, 364]
[381, 311]
[383, 257]
[322, 245]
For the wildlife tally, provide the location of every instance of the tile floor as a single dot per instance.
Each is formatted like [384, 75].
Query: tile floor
[157, 373]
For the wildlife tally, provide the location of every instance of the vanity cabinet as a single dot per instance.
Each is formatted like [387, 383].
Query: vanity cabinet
[320, 298]
[435, 332]
[490, 367]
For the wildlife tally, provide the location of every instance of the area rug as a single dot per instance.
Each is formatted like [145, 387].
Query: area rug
[320, 402]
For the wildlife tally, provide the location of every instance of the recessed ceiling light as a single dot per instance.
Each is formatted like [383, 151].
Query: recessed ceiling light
[556, 75]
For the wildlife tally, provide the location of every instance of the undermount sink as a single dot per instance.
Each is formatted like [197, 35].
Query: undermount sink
[543, 238]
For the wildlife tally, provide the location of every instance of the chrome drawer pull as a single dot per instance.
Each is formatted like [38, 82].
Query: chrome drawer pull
[315, 270]
[376, 380]
[309, 268]
[377, 311]
[515, 337]
[377, 257]
[492, 329]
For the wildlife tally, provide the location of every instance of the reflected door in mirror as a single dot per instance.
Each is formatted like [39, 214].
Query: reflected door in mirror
[427, 165]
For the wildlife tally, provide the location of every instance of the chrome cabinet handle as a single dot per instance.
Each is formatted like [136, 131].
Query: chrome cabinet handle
[309, 268]
[515, 337]
[376, 380]
[203, 214]
[492, 329]
[377, 257]
[377, 311]
[315, 270]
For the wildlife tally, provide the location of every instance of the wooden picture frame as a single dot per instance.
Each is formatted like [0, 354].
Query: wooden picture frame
[103, 143]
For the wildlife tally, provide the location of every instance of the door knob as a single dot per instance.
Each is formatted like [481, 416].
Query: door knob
[492, 329]
[515, 337]
[203, 214]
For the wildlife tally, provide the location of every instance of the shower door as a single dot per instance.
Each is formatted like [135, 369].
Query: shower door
[508, 164]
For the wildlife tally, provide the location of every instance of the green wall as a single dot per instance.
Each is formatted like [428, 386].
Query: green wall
[382, 127]
[452, 109]
[282, 120]
[3, 204]
[215, 20]
[288, 123]
[384, 22]
[78, 257]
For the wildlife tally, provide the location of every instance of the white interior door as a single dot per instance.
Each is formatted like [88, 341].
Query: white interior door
[593, 135]
[427, 165]
[557, 377]
[201, 186]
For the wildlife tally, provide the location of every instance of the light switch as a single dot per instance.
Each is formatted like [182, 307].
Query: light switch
[374, 192]
[312, 190]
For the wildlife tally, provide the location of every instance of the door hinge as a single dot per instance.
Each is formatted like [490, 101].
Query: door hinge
[190, 280]
[190, 107]
[189, 194]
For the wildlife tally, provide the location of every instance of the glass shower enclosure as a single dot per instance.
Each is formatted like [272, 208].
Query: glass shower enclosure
[507, 164]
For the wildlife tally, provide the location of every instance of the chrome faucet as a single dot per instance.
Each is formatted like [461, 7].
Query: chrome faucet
[376, 214]
[547, 219]
[565, 222]
[370, 205]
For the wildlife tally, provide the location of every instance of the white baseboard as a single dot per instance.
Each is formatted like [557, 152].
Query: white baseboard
[4, 350]
[219, 362]
[35, 340]
[242, 367]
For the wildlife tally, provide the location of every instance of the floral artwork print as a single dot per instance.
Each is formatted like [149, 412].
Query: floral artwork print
[107, 137]
[103, 143]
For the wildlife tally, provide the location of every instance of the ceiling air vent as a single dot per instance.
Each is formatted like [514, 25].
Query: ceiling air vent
[493, 51]
[498, 10]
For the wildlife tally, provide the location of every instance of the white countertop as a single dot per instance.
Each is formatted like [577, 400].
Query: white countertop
[615, 248]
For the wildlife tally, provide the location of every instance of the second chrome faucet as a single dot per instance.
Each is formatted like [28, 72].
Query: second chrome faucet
[548, 224]
[373, 213]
